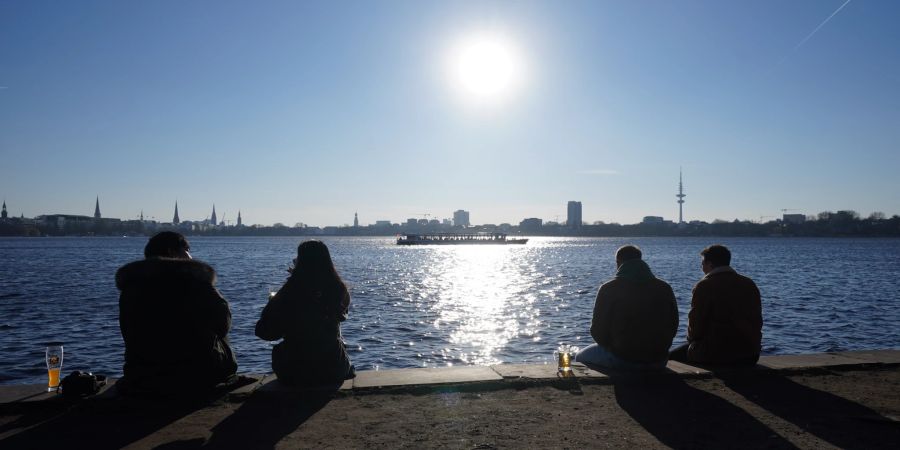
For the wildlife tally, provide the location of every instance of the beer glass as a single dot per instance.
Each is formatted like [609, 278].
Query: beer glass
[564, 356]
[54, 358]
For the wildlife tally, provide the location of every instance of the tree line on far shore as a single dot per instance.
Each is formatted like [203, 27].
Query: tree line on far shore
[825, 224]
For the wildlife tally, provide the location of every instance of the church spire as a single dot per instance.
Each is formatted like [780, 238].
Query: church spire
[212, 218]
[239, 218]
[176, 220]
[3, 213]
[97, 208]
[355, 221]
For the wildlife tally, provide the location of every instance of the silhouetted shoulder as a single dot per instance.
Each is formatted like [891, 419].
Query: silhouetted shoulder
[152, 270]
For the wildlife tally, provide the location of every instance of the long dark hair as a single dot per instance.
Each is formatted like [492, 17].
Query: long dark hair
[314, 268]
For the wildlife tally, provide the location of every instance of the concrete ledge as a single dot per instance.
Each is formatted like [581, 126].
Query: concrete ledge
[685, 369]
[874, 356]
[498, 375]
[25, 393]
[372, 379]
[526, 371]
[810, 361]
[271, 385]
[248, 389]
[19, 393]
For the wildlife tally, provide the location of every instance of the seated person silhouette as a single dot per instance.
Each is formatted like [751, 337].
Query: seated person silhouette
[725, 322]
[307, 313]
[174, 322]
[635, 318]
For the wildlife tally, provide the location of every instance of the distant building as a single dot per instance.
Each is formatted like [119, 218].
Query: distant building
[355, 221]
[447, 222]
[97, 208]
[412, 222]
[461, 218]
[383, 223]
[176, 220]
[3, 214]
[73, 222]
[239, 222]
[573, 218]
[531, 224]
[793, 218]
[652, 220]
[212, 217]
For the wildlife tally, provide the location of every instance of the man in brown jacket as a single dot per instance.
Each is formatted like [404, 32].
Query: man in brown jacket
[725, 322]
[635, 318]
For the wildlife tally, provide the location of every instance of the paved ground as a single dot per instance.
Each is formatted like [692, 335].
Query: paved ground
[816, 401]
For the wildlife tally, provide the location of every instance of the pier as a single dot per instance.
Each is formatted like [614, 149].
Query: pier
[839, 399]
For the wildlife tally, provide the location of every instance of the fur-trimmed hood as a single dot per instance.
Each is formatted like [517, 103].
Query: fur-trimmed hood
[152, 270]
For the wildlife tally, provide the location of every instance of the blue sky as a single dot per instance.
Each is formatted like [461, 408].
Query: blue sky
[307, 112]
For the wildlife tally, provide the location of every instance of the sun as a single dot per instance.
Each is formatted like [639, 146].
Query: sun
[486, 68]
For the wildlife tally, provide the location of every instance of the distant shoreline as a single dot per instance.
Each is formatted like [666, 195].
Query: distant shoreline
[826, 224]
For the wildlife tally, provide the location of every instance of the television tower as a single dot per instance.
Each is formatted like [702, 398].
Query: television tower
[681, 197]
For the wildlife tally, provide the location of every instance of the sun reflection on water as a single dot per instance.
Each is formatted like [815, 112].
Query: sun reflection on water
[482, 300]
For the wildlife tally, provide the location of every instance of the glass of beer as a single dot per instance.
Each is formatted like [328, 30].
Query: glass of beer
[565, 354]
[54, 358]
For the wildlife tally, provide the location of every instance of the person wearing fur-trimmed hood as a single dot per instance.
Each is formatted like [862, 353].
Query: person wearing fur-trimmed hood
[173, 320]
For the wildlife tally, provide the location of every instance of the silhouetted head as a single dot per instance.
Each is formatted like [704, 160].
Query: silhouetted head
[314, 264]
[716, 255]
[167, 244]
[627, 253]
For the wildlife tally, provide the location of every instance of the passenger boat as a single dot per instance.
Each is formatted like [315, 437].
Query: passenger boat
[458, 239]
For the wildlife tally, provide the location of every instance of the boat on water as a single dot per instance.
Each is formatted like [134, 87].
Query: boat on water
[458, 239]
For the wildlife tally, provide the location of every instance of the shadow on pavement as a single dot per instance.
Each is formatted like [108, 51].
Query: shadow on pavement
[264, 418]
[834, 419]
[95, 424]
[682, 416]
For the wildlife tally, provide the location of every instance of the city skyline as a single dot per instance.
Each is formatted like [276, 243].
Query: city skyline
[308, 112]
[459, 217]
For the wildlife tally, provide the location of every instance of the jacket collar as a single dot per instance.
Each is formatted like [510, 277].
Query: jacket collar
[718, 270]
[634, 270]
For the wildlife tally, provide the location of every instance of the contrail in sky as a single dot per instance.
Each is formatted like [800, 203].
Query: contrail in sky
[821, 25]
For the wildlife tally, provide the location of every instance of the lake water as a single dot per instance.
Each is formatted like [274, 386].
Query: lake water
[440, 306]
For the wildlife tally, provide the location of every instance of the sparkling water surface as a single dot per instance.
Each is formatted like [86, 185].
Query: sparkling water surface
[425, 306]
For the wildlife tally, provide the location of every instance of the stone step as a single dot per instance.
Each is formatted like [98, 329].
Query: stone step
[378, 379]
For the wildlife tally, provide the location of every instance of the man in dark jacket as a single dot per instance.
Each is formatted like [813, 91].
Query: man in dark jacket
[635, 318]
[725, 322]
[174, 321]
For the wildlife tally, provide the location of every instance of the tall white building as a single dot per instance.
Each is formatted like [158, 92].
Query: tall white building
[461, 218]
[573, 218]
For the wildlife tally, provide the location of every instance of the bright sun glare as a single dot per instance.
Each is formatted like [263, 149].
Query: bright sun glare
[486, 68]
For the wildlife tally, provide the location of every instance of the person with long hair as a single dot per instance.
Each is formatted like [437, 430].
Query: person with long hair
[307, 313]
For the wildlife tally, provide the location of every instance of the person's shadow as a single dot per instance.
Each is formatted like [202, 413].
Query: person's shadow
[265, 418]
[92, 423]
[682, 416]
[832, 418]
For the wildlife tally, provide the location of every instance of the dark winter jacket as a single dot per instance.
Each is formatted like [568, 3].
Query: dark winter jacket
[308, 319]
[725, 322]
[175, 325]
[635, 315]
